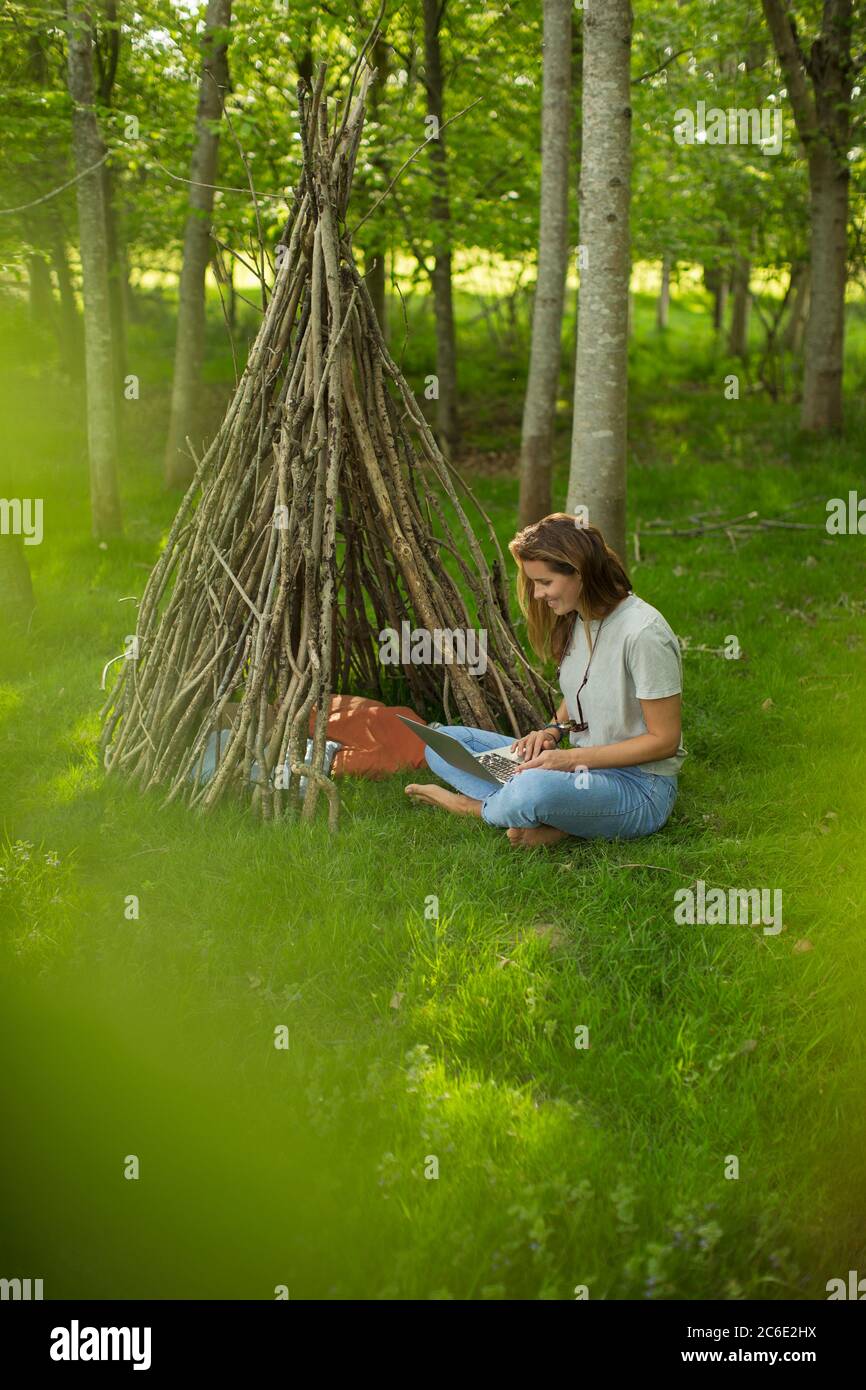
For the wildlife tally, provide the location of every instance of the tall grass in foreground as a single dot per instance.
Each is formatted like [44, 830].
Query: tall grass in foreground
[444, 1030]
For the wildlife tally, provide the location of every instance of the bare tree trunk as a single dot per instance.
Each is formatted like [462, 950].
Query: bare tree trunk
[41, 294]
[232, 296]
[374, 249]
[663, 303]
[374, 267]
[189, 345]
[443, 304]
[68, 320]
[116, 295]
[101, 404]
[542, 386]
[738, 335]
[129, 307]
[819, 89]
[716, 282]
[720, 303]
[792, 339]
[825, 330]
[107, 54]
[48, 232]
[598, 447]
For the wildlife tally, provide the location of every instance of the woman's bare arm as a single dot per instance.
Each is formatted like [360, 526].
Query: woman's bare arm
[663, 719]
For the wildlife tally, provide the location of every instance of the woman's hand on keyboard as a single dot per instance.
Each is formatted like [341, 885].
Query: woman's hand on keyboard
[532, 744]
[555, 760]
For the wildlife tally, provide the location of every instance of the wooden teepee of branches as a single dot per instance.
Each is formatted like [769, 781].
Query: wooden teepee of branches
[322, 512]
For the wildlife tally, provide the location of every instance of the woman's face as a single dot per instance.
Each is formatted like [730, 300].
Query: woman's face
[559, 591]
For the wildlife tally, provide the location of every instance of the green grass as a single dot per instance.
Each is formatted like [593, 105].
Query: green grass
[430, 977]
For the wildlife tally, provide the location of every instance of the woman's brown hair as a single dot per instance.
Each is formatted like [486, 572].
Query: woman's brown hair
[567, 547]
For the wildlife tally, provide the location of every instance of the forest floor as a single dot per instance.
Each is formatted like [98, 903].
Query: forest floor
[711, 1140]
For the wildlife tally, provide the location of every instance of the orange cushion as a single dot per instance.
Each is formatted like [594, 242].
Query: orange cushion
[375, 743]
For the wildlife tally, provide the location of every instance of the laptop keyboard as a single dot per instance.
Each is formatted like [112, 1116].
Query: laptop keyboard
[503, 768]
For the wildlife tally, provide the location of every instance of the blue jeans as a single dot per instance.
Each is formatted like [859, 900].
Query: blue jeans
[616, 803]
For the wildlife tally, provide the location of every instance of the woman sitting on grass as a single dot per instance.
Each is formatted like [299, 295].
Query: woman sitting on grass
[620, 673]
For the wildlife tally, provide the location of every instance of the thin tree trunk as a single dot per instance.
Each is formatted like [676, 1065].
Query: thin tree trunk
[41, 294]
[738, 335]
[374, 267]
[819, 89]
[374, 251]
[825, 330]
[443, 305]
[101, 404]
[598, 447]
[115, 279]
[68, 320]
[716, 282]
[38, 273]
[189, 345]
[48, 232]
[542, 386]
[107, 54]
[232, 296]
[792, 338]
[720, 303]
[663, 303]
[130, 308]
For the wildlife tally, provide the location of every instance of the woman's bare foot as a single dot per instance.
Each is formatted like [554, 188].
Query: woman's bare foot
[535, 835]
[455, 802]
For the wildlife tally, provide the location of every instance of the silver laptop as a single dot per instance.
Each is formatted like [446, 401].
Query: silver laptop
[495, 767]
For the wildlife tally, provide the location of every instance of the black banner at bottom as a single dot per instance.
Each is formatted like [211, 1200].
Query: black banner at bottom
[157, 1337]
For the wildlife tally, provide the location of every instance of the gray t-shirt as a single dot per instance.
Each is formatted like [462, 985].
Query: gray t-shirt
[637, 657]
